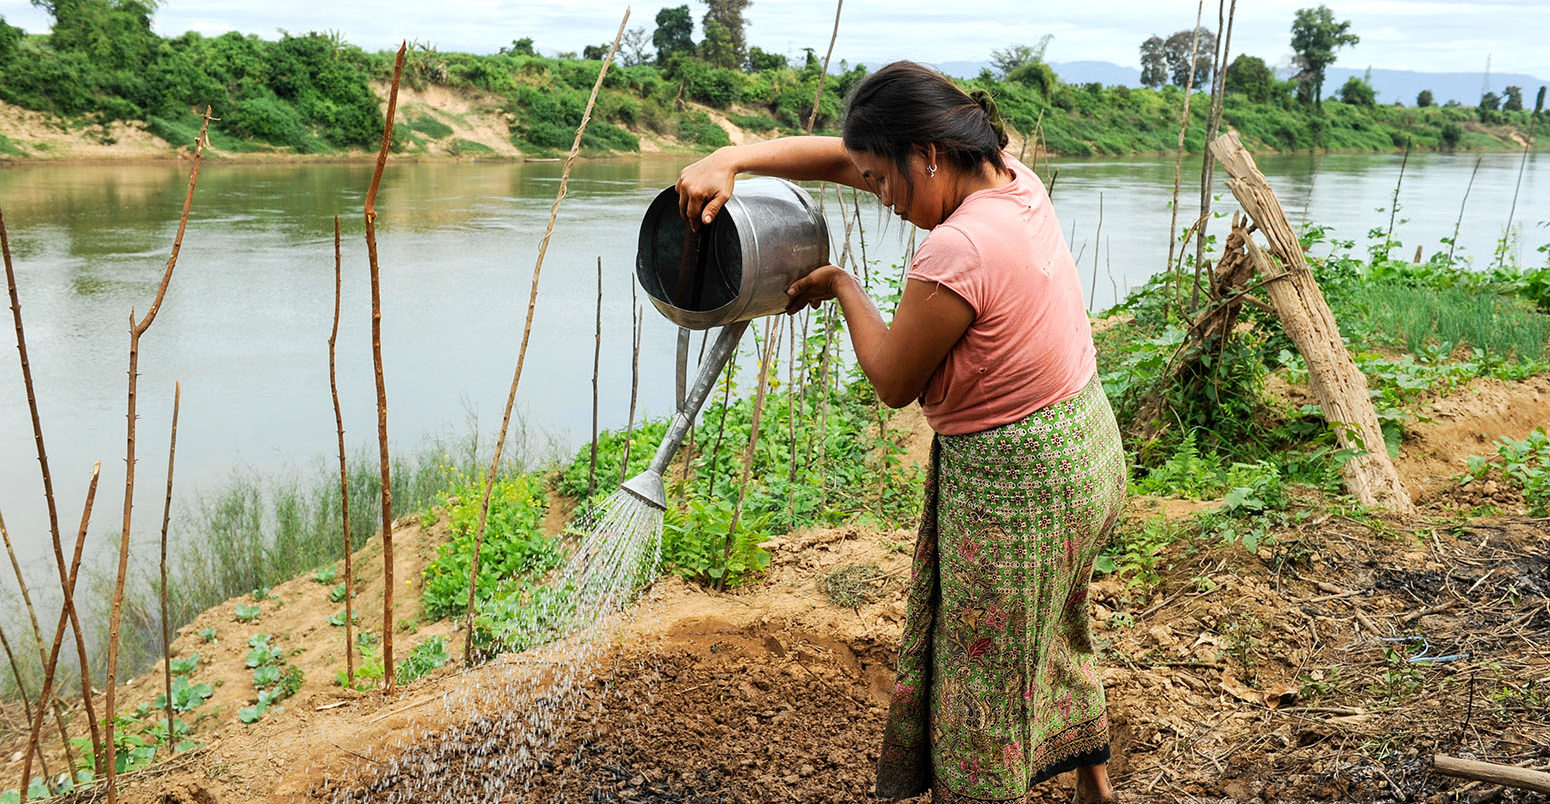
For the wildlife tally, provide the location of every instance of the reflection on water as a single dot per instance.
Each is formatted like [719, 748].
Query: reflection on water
[245, 323]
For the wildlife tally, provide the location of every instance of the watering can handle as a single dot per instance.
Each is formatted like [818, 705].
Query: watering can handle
[683, 367]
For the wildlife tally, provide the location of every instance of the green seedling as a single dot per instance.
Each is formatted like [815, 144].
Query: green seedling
[426, 656]
[337, 594]
[265, 674]
[261, 594]
[326, 575]
[186, 697]
[182, 667]
[246, 613]
[337, 620]
[207, 634]
[262, 653]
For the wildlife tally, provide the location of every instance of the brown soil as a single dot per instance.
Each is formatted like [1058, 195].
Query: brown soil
[1240, 676]
[43, 137]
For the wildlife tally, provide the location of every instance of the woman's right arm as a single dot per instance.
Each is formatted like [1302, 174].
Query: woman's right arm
[705, 186]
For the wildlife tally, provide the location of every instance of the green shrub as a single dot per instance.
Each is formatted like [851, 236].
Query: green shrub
[426, 656]
[515, 548]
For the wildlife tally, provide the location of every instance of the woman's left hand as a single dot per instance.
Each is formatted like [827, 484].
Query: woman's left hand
[819, 286]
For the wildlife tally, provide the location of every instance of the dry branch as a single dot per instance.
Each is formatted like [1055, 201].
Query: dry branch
[376, 360]
[48, 483]
[597, 357]
[136, 330]
[344, 475]
[813, 116]
[1337, 383]
[1178, 162]
[166, 515]
[37, 635]
[771, 337]
[527, 331]
[1505, 775]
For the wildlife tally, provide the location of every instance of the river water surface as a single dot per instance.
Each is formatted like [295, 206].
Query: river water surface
[245, 323]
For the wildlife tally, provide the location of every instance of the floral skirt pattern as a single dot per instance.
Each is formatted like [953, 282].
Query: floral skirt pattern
[997, 679]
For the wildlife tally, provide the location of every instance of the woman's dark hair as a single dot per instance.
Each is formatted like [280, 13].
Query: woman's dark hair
[905, 106]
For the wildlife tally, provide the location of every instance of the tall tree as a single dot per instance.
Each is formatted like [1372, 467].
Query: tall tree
[729, 13]
[1425, 99]
[1154, 63]
[674, 33]
[1013, 56]
[1315, 38]
[1490, 102]
[1181, 50]
[1514, 102]
[717, 47]
[1250, 78]
[635, 47]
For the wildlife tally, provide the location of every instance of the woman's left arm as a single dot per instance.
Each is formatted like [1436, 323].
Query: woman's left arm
[898, 359]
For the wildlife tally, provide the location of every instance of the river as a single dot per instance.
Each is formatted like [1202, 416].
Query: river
[245, 323]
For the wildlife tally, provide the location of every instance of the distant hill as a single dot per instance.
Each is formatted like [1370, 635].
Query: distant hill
[1391, 85]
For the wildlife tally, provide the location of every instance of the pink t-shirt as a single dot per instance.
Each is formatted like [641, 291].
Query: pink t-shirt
[1030, 344]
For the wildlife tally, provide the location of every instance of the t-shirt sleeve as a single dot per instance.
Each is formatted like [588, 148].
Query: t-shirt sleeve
[948, 257]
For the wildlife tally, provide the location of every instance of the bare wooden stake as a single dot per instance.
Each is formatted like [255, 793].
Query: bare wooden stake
[772, 335]
[637, 322]
[1178, 162]
[1213, 124]
[527, 331]
[344, 474]
[597, 357]
[48, 483]
[1457, 224]
[136, 330]
[21, 689]
[37, 635]
[166, 625]
[59, 632]
[813, 117]
[1388, 239]
[376, 359]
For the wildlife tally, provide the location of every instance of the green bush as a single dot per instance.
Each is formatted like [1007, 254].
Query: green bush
[699, 129]
[515, 548]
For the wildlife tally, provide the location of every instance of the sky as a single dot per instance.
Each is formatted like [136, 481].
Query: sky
[1421, 35]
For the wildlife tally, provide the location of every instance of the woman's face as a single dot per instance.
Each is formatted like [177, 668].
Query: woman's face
[917, 199]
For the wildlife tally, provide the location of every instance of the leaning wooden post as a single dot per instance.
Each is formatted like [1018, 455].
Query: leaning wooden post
[1337, 383]
[1492, 773]
[376, 359]
[137, 329]
[527, 331]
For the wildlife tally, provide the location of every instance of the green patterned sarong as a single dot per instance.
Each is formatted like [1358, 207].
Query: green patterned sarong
[997, 680]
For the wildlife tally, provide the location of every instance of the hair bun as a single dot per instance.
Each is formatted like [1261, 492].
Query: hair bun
[987, 104]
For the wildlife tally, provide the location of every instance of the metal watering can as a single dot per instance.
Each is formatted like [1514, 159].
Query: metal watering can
[736, 269]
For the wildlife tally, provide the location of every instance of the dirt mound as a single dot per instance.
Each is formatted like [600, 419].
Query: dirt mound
[38, 136]
[1468, 422]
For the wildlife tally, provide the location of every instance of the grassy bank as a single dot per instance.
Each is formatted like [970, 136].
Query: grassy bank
[315, 94]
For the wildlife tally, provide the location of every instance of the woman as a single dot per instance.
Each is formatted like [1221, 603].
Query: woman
[997, 682]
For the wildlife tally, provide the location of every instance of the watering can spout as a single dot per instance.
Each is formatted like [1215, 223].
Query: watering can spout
[648, 485]
[649, 488]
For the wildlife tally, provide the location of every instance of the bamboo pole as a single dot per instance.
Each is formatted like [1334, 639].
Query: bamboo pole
[527, 331]
[1178, 161]
[21, 690]
[59, 632]
[166, 516]
[48, 487]
[137, 329]
[1457, 224]
[597, 357]
[1213, 125]
[1338, 384]
[376, 359]
[1092, 290]
[1501, 257]
[37, 635]
[344, 474]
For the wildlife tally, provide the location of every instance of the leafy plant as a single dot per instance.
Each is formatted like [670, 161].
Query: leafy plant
[182, 667]
[245, 613]
[207, 634]
[337, 619]
[337, 594]
[326, 575]
[515, 547]
[261, 652]
[261, 594]
[186, 697]
[426, 656]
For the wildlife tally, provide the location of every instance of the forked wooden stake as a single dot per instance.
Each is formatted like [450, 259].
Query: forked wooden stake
[376, 360]
[136, 330]
[527, 331]
[344, 475]
[166, 516]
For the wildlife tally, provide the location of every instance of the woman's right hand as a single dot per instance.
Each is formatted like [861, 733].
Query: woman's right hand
[705, 186]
